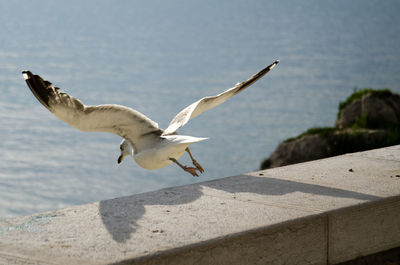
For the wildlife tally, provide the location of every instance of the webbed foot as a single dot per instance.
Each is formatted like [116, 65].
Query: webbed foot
[191, 170]
[198, 166]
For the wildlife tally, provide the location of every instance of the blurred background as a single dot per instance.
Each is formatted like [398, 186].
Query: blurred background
[160, 56]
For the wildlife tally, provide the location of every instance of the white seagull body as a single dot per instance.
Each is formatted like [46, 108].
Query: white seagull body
[150, 146]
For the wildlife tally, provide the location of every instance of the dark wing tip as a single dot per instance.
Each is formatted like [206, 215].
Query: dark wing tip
[266, 70]
[39, 87]
[257, 76]
[26, 74]
[269, 67]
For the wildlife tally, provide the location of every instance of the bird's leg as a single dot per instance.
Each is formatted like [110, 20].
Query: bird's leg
[191, 170]
[198, 166]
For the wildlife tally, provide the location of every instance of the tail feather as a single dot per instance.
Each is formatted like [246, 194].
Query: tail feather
[184, 139]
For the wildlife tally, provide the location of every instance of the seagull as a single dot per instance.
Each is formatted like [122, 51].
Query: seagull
[151, 147]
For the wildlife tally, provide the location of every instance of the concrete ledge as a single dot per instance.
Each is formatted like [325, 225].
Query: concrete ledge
[321, 212]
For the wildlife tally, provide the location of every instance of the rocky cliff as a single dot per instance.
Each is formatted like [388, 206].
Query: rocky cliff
[368, 119]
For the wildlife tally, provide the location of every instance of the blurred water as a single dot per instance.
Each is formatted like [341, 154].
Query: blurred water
[160, 56]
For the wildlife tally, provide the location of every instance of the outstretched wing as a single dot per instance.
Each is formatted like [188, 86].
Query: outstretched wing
[207, 103]
[123, 121]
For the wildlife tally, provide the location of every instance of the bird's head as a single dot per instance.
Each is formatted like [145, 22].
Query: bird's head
[126, 150]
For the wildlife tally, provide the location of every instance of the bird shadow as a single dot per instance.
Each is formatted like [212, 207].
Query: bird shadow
[120, 215]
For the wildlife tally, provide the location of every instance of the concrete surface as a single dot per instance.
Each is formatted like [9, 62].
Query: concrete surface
[320, 212]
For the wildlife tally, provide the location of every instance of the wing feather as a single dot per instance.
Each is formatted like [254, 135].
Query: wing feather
[207, 103]
[123, 121]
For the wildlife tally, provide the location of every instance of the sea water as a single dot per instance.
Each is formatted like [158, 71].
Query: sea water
[160, 56]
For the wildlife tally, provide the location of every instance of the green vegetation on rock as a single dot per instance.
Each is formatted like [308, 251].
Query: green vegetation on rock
[323, 131]
[367, 119]
[380, 93]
